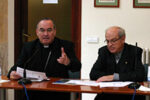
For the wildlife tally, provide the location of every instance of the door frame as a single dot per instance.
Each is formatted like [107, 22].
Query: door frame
[20, 14]
[76, 26]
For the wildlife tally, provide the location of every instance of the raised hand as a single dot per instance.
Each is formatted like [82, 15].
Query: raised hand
[64, 58]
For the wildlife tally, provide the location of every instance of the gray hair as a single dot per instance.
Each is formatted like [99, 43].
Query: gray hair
[121, 31]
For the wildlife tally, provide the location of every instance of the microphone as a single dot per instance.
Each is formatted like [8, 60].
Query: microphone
[24, 80]
[135, 55]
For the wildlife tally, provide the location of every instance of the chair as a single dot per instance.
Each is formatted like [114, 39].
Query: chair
[74, 75]
[146, 71]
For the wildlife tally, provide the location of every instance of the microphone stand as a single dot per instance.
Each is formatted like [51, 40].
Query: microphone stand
[24, 80]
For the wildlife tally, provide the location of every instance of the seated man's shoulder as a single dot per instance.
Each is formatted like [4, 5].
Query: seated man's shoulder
[133, 47]
[31, 44]
[64, 42]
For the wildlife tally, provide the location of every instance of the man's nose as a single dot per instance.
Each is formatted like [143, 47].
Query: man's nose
[109, 43]
[45, 32]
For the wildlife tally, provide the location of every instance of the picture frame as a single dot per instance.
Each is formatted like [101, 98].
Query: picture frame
[107, 3]
[141, 3]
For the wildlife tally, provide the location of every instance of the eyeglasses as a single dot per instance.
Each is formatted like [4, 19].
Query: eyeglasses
[113, 41]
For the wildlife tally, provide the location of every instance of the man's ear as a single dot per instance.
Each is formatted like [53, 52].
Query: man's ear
[123, 38]
[36, 32]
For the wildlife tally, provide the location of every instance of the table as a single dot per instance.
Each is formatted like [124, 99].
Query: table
[48, 86]
[126, 90]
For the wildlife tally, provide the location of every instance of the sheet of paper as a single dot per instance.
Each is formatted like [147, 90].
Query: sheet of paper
[114, 84]
[83, 82]
[33, 75]
[143, 88]
[77, 82]
[3, 81]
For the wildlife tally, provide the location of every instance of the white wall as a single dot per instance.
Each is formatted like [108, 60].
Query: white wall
[94, 22]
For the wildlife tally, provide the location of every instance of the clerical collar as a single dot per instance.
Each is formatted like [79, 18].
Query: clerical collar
[46, 46]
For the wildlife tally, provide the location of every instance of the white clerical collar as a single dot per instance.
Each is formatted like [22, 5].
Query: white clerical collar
[46, 46]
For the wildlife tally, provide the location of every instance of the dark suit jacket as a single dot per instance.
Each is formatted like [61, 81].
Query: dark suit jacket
[129, 67]
[36, 61]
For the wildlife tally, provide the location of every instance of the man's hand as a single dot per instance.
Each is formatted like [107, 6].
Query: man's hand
[63, 59]
[105, 78]
[14, 75]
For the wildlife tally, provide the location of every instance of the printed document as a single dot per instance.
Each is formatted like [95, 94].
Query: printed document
[77, 82]
[114, 84]
[143, 88]
[33, 75]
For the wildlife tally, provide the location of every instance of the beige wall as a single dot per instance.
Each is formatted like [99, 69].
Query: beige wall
[3, 21]
[3, 36]
[94, 22]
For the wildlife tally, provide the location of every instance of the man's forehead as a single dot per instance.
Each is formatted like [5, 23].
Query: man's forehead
[44, 28]
[45, 23]
[111, 35]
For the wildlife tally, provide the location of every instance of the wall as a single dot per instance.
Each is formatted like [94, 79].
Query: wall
[3, 40]
[3, 35]
[94, 22]
[3, 21]
[10, 92]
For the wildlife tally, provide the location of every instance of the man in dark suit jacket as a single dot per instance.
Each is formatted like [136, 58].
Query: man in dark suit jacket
[118, 61]
[47, 54]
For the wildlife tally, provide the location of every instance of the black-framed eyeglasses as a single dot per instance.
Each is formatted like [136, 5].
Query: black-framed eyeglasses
[112, 41]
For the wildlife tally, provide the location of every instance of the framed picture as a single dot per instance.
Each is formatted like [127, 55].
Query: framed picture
[141, 3]
[106, 3]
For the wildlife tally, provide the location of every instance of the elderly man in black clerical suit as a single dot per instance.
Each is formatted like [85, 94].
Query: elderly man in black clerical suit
[54, 57]
[118, 61]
